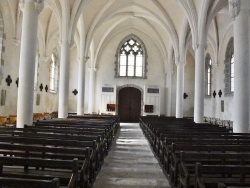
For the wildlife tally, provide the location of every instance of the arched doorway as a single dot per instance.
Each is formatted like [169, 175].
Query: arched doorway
[129, 104]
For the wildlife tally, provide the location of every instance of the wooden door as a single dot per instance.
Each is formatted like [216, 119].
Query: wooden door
[129, 104]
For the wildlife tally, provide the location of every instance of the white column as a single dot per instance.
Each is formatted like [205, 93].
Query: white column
[199, 90]
[180, 89]
[81, 86]
[241, 66]
[169, 85]
[64, 80]
[91, 89]
[31, 9]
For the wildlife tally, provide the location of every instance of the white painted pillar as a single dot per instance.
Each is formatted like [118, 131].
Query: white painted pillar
[64, 80]
[31, 9]
[179, 89]
[241, 66]
[199, 90]
[169, 85]
[91, 89]
[81, 86]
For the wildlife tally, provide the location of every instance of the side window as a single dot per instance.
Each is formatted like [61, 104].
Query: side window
[208, 77]
[229, 68]
[53, 73]
[36, 71]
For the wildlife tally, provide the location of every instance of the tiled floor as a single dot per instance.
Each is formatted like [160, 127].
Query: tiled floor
[131, 163]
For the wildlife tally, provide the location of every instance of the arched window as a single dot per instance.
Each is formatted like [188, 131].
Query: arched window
[131, 58]
[232, 73]
[53, 73]
[208, 78]
[229, 68]
[36, 70]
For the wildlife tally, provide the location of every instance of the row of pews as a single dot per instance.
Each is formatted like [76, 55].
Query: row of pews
[199, 154]
[57, 152]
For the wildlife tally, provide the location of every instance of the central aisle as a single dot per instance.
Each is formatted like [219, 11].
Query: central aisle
[131, 163]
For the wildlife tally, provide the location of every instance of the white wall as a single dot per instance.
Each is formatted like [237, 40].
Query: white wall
[106, 64]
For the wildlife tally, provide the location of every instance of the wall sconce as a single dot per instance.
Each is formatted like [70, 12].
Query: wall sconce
[214, 93]
[185, 95]
[8, 80]
[17, 80]
[75, 91]
[220, 93]
[46, 88]
[41, 87]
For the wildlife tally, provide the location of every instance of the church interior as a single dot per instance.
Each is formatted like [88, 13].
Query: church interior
[99, 69]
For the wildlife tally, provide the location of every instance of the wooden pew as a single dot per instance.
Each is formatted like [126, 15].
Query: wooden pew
[183, 170]
[210, 175]
[65, 135]
[23, 150]
[177, 148]
[94, 157]
[30, 168]
[24, 182]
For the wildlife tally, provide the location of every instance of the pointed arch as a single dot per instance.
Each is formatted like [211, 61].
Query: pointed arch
[131, 58]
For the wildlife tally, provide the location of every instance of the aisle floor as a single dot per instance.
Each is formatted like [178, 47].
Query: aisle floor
[131, 163]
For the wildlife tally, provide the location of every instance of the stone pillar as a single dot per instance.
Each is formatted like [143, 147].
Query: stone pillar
[31, 9]
[91, 89]
[63, 105]
[199, 90]
[169, 84]
[81, 86]
[239, 11]
[180, 89]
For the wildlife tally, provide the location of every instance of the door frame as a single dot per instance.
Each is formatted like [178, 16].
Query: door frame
[129, 85]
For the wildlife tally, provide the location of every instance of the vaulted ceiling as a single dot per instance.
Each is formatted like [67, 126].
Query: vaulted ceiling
[167, 22]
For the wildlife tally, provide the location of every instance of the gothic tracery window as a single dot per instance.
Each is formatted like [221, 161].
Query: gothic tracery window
[131, 58]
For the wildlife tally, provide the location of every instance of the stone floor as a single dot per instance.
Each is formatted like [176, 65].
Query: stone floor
[131, 163]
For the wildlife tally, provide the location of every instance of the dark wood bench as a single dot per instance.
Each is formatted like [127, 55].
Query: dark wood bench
[41, 169]
[210, 175]
[177, 148]
[183, 169]
[24, 182]
[95, 158]
[100, 146]
[86, 174]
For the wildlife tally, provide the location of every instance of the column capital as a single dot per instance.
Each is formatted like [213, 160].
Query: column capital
[39, 4]
[86, 58]
[234, 8]
[196, 46]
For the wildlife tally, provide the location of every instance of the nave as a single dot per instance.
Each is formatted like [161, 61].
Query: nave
[130, 162]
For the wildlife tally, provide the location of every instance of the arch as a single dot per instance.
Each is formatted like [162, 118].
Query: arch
[144, 55]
